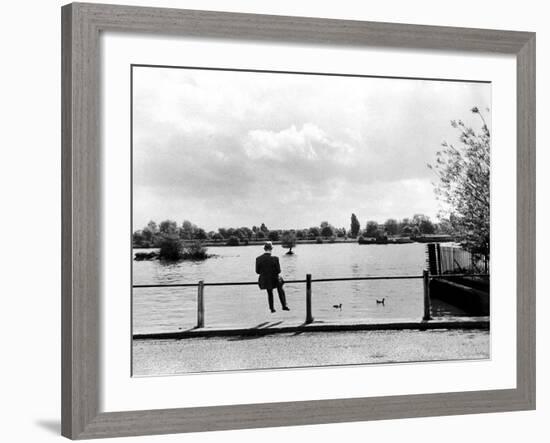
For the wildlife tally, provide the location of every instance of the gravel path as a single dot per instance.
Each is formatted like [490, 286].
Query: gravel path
[165, 357]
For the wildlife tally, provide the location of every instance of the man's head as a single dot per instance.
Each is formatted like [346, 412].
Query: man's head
[268, 246]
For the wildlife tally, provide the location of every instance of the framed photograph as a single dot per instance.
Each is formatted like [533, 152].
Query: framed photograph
[274, 221]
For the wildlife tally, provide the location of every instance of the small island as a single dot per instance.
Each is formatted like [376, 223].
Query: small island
[172, 248]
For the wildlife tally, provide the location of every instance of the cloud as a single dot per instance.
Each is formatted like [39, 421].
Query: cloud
[308, 143]
[226, 148]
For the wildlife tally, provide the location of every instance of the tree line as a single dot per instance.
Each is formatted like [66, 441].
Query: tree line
[153, 234]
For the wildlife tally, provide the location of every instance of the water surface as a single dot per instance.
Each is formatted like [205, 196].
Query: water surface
[173, 309]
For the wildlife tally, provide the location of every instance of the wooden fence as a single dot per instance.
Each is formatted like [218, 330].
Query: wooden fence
[201, 285]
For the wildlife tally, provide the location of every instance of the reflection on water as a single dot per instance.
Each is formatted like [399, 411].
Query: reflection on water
[172, 309]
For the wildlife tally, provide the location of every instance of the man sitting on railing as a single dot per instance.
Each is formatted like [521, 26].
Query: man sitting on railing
[269, 269]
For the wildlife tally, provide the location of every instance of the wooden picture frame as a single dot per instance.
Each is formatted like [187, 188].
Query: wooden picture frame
[81, 27]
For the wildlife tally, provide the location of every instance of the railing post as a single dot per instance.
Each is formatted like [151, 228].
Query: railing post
[432, 258]
[309, 316]
[427, 303]
[200, 305]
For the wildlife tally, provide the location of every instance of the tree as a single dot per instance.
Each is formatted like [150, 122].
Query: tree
[371, 229]
[407, 230]
[264, 229]
[152, 227]
[149, 234]
[200, 234]
[232, 241]
[260, 235]
[445, 227]
[195, 251]
[273, 235]
[314, 232]
[288, 241]
[405, 226]
[341, 233]
[247, 232]
[168, 227]
[355, 226]
[423, 223]
[187, 230]
[391, 226]
[138, 239]
[464, 174]
[426, 226]
[327, 231]
[171, 247]
[418, 218]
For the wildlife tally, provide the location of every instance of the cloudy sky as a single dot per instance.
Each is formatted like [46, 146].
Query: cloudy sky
[228, 149]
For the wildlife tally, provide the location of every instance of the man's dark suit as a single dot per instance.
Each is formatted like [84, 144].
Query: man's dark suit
[269, 269]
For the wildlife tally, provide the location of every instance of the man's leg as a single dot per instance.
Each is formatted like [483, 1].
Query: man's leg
[270, 299]
[282, 296]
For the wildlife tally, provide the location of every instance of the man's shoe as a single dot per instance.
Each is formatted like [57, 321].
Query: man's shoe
[273, 310]
[285, 308]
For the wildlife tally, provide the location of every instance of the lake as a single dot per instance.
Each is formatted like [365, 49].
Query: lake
[173, 309]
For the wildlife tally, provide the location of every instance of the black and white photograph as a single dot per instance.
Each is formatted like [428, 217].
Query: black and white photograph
[275, 221]
[290, 219]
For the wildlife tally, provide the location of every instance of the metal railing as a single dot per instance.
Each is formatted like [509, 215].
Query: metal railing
[451, 259]
[426, 277]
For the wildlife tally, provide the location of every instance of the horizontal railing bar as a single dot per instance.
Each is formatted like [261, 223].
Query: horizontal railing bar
[248, 283]
[458, 275]
[185, 285]
[175, 285]
[390, 277]
[387, 277]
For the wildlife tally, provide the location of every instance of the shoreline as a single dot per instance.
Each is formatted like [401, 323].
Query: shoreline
[327, 241]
